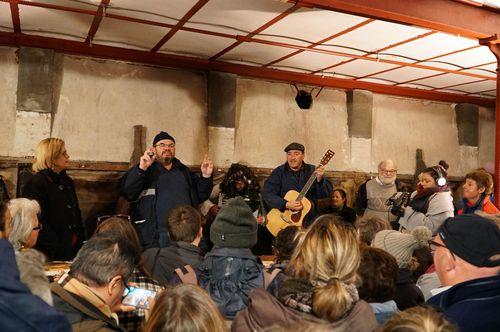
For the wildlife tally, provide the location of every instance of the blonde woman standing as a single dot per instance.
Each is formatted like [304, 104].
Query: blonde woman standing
[61, 235]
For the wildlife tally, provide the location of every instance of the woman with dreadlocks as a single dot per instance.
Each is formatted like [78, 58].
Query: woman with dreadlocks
[240, 180]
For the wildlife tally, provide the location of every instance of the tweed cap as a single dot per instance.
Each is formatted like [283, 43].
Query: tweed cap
[401, 245]
[295, 146]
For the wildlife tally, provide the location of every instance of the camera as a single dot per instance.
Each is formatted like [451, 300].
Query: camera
[398, 202]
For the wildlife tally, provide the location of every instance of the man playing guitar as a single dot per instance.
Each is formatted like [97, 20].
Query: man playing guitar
[293, 175]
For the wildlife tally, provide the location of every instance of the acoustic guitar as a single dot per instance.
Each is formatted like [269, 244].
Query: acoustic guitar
[277, 220]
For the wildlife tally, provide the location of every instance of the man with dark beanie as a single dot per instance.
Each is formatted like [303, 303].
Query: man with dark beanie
[230, 271]
[467, 258]
[160, 183]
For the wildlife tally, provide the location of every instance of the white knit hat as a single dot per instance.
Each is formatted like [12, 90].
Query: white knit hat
[401, 245]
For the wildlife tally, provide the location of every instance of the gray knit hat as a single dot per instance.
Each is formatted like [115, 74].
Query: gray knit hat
[401, 245]
[235, 226]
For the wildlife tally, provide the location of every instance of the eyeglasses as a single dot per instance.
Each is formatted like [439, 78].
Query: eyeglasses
[104, 218]
[38, 228]
[433, 245]
[389, 171]
[163, 145]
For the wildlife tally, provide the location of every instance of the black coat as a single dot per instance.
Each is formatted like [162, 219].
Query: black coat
[61, 235]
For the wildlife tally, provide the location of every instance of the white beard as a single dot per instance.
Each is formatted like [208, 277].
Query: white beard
[386, 181]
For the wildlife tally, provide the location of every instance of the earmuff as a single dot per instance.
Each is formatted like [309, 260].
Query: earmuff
[441, 180]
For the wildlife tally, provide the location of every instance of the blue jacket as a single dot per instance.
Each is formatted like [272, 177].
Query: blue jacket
[140, 189]
[283, 179]
[473, 305]
[19, 309]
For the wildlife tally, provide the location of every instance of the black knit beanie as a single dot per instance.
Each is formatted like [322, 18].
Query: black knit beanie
[235, 226]
[161, 136]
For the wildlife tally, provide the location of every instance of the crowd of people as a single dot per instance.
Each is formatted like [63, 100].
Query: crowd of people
[197, 257]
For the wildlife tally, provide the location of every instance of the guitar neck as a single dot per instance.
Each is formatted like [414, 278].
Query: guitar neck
[306, 187]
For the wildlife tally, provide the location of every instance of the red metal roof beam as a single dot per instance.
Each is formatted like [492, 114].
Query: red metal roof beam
[14, 11]
[179, 24]
[441, 15]
[101, 11]
[257, 31]
[322, 41]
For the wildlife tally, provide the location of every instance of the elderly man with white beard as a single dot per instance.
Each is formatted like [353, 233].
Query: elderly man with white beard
[373, 194]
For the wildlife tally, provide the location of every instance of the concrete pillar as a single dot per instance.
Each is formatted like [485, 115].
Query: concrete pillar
[221, 116]
[359, 122]
[39, 77]
[467, 118]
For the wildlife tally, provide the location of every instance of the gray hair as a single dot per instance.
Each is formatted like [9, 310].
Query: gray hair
[385, 162]
[32, 273]
[22, 211]
[103, 257]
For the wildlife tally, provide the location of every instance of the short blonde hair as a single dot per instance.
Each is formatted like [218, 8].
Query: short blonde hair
[46, 152]
[418, 319]
[185, 308]
[23, 211]
[328, 255]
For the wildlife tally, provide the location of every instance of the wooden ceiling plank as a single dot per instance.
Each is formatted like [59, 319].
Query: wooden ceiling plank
[179, 24]
[257, 31]
[322, 41]
[169, 60]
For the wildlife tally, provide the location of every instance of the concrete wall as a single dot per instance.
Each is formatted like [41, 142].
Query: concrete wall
[100, 101]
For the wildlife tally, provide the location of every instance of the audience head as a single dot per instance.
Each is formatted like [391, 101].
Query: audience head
[466, 247]
[5, 221]
[235, 225]
[105, 263]
[387, 171]
[418, 319]
[339, 198]
[285, 242]
[477, 183]
[328, 256]
[185, 308]
[240, 180]
[51, 153]
[368, 227]
[378, 272]
[184, 224]
[402, 245]
[435, 176]
[25, 227]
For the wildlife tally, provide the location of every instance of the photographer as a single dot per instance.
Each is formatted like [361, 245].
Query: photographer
[431, 204]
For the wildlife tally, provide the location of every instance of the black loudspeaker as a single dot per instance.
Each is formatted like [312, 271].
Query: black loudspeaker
[304, 99]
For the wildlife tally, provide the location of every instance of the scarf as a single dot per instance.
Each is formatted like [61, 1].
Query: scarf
[420, 202]
[473, 208]
[78, 288]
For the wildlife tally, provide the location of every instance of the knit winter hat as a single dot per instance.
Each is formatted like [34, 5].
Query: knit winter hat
[401, 245]
[235, 226]
[161, 136]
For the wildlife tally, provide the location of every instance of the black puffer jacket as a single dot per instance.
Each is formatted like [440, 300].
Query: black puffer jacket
[61, 235]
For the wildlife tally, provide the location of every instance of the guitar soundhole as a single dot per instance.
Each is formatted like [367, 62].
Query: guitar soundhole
[296, 216]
